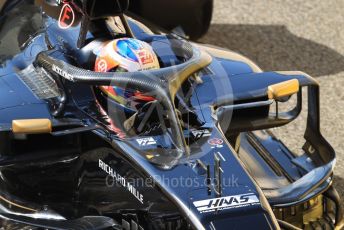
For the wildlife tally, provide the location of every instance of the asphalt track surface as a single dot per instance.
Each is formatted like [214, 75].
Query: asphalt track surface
[292, 35]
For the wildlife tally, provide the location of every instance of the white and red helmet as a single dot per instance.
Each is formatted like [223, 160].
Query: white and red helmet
[125, 55]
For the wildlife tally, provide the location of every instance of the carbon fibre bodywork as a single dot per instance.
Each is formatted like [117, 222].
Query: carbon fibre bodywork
[91, 173]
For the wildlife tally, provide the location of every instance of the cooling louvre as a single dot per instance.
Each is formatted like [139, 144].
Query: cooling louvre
[40, 82]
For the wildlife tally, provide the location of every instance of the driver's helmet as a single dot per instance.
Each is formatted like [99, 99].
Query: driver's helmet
[125, 55]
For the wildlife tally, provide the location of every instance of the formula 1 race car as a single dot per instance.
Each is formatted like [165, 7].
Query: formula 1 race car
[186, 143]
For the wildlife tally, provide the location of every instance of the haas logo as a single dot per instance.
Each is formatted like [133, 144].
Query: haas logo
[67, 17]
[229, 202]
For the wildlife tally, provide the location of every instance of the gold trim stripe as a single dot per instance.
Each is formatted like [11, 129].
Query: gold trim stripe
[17, 205]
[31, 126]
[283, 89]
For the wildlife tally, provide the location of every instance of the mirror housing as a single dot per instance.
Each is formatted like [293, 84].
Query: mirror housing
[257, 115]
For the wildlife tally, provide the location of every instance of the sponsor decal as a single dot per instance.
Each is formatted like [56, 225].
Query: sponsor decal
[201, 133]
[216, 142]
[121, 180]
[146, 141]
[224, 203]
[102, 66]
[145, 57]
[67, 17]
[62, 73]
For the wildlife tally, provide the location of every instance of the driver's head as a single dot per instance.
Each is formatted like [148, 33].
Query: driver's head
[125, 55]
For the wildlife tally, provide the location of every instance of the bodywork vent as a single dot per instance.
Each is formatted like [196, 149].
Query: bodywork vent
[40, 82]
